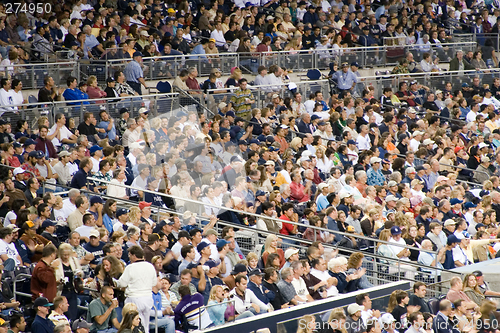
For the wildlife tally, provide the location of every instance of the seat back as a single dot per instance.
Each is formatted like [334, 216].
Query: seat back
[313, 74]
[433, 305]
[164, 87]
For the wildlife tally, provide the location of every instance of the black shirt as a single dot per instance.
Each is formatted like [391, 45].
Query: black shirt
[431, 106]
[88, 130]
[277, 302]
[45, 95]
[403, 149]
[399, 313]
[415, 300]
[229, 36]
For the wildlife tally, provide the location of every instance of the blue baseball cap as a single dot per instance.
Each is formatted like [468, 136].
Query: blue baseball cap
[36, 154]
[480, 225]
[29, 142]
[452, 239]
[469, 204]
[395, 230]
[201, 246]
[211, 263]
[121, 211]
[94, 148]
[255, 141]
[455, 201]
[221, 243]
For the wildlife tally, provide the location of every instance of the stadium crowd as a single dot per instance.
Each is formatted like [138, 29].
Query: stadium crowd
[413, 168]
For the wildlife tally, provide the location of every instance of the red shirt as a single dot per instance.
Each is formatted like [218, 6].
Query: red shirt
[43, 281]
[192, 84]
[14, 162]
[286, 228]
[26, 166]
[298, 192]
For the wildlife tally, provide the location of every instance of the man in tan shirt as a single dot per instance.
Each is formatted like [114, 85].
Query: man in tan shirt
[75, 219]
[180, 81]
[448, 159]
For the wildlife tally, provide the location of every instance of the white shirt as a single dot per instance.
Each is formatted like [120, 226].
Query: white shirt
[95, 165]
[491, 100]
[176, 249]
[85, 230]
[139, 278]
[10, 250]
[471, 116]
[138, 183]
[116, 191]
[68, 208]
[229, 266]
[9, 217]
[309, 105]
[119, 226]
[6, 99]
[18, 98]
[418, 194]
[260, 80]
[132, 159]
[63, 172]
[243, 305]
[323, 276]
[401, 244]
[214, 254]
[64, 133]
[218, 35]
[275, 81]
[459, 255]
[414, 144]
[363, 143]
[300, 288]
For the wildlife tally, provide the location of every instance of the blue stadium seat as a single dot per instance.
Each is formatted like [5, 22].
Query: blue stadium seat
[163, 87]
[313, 74]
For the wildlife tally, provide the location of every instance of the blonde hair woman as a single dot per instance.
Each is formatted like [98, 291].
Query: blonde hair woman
[253, 261]
[127, 308]
[215, 306]
[67, 269]
[134, 216]
[336, 320]
[271, 246]
[307, 324]
[296, 144]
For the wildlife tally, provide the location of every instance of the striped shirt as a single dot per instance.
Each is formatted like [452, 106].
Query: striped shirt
[189, 306]
[239, 100]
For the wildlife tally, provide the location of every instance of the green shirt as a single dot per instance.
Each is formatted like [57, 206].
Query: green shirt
[239, 100]
[96, 308]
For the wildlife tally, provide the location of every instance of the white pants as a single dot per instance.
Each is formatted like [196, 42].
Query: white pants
[144, 305]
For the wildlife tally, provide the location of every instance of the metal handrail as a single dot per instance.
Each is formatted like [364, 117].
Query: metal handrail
[254, 215]
[187, 95]
[15, 289]
[205, 307]
[78, 103]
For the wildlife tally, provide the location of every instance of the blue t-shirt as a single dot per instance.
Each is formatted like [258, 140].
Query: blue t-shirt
[96, 251]
[449, 263]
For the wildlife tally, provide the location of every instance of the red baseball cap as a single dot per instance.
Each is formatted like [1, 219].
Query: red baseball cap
[144, 204]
